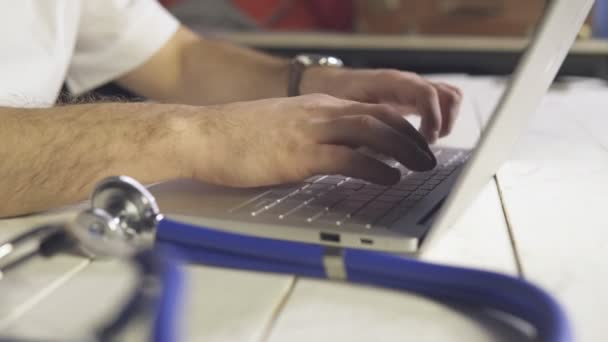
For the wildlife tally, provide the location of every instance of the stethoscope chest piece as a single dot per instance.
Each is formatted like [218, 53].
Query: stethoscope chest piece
[121, 221]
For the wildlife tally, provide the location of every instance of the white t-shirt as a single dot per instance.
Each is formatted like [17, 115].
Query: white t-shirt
[85, 43]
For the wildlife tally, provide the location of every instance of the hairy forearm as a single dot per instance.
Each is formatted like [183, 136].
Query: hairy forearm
[52, 157]
[195, 70]
[219, 72]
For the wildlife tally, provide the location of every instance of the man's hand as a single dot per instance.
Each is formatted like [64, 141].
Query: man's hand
[284, 140]
[194, 70]
[436, 103]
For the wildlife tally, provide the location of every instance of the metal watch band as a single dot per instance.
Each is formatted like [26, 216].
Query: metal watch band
[300, 63]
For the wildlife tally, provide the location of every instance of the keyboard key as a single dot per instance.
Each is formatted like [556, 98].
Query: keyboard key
[421, 191]
[376, 187]
[307, 211]
[389, 198]
[369, 192]
[301, 196]
[362, 197]
[397, 192]
[405, 186]
[417, 197]
[348, 206]
[407, 203]
[330, 180]
[351, 185]
[284, 191]
[315, 189]
[379, 205]
[414, 181]
[319, 186]
[357, 181]
[329, 200]
[420, 176]
[282, 207]
[257, 205]
[314, 179]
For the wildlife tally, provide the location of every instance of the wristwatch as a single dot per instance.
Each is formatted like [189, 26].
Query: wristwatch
[302, 62]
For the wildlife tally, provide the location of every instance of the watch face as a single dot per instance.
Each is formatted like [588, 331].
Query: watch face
[321, 60]
[331, 61]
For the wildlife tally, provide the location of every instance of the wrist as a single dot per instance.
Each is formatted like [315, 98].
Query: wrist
[185, 140]
[320, 79]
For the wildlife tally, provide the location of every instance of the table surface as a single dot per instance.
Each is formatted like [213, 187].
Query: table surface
[541, 218]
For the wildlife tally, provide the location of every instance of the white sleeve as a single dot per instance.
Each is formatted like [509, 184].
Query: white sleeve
[114, 37]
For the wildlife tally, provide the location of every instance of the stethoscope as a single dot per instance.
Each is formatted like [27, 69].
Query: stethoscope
[124, 221]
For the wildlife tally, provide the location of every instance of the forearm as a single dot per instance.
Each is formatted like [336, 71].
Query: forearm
[52, 157]
[195, 70]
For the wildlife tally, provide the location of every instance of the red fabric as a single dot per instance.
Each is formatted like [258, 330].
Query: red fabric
[334, 14]
[303, 15]
[298, 17]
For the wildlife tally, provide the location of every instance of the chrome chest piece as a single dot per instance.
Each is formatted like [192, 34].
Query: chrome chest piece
[121, 221]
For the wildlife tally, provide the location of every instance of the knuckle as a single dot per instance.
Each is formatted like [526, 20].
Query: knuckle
[366, 122]
[318, 97]
[320, 103]
[428, 91]
[409, 76]
[385, 109]
[390, 74]
[452, 97]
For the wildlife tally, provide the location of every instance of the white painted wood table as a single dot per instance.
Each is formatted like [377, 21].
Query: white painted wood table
[552, 190]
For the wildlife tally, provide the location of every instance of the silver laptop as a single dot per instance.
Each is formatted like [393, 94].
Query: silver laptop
[345, 212]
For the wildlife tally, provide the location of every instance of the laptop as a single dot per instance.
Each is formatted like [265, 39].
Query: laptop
[339, 211]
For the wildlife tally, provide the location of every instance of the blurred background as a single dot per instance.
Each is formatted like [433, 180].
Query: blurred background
[425, 36]
[399, 17]
[476, 37]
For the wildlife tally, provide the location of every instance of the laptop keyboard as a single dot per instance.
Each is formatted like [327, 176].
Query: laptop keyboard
[344, 201]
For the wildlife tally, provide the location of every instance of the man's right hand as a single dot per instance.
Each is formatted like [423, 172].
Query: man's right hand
[284, 140]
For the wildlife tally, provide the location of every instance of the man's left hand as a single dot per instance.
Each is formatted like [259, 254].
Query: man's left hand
[436, 103]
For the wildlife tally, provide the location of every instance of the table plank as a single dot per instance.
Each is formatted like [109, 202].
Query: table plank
[24, 286]
[555, 189]
[38, 296]
[219, 304]
[325, 311]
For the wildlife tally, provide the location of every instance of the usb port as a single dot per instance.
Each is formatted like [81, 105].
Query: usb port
[365, 241]
[331, 237]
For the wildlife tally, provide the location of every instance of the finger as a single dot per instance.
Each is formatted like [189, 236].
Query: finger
[453, 88]
[450, 99]
[366, 130]
[429, 109]
[390, 116]
[332, 159]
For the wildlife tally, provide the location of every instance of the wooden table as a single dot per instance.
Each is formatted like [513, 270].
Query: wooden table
[544, 215]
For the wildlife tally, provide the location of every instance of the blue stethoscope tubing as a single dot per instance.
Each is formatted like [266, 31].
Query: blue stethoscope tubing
[160, 290]
[513, 296]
